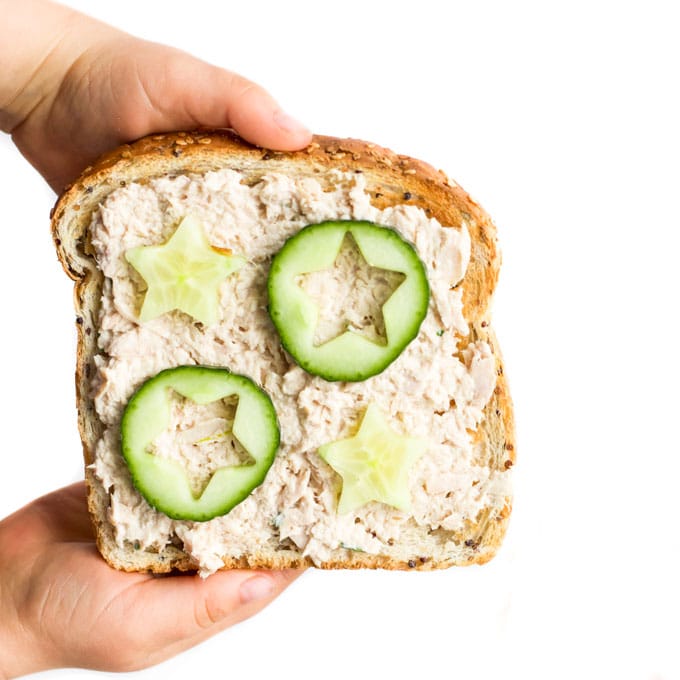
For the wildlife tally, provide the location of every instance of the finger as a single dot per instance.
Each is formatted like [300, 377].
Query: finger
[68, 514]
[192, 93]
[61, 515]
[257, 117]
[172, 614]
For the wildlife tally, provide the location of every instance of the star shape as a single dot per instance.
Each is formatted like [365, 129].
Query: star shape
[184, 273]
[374, 464]
[350, 295]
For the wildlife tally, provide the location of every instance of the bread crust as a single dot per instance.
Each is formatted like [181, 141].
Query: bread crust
[391, 179]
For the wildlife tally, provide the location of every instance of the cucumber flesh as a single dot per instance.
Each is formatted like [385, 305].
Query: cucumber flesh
[184, 273]
[374, 464]
[164, 482]
[350, 356]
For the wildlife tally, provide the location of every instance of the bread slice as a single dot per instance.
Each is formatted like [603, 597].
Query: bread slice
[390, 180]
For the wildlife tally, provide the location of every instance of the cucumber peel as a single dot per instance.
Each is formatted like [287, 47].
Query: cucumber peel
[350, 356]
[164, 482]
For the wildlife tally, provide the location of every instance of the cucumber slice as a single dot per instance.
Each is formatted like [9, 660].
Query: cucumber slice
[374, 464]
[184, 273]
[164, 482]
[349, 356]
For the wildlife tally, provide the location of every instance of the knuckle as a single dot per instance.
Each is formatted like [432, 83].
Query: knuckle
[208, 612]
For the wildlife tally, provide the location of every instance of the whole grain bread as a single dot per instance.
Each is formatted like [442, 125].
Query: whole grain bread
[391, 180]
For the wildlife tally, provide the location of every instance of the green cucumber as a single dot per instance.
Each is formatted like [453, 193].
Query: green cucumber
[164, 482]
[183, 273]
[349, 356]
[374, 464]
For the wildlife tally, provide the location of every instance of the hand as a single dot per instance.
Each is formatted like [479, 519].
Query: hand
[80, 87]
[63, 606]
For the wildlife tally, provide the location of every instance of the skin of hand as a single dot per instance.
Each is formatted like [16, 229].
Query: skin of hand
[63, 606]
[80, 87]
[74, 90]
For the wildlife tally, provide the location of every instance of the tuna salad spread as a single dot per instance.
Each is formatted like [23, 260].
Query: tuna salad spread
[296, 505]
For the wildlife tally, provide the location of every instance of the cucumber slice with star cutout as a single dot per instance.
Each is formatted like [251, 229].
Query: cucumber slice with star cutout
[349, 356]
[164, 482]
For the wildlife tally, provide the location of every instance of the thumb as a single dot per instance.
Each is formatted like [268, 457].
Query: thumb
[188, 92]
[177, 612]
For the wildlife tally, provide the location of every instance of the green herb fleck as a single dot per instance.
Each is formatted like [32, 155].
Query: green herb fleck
[440, 332]
[349, 547]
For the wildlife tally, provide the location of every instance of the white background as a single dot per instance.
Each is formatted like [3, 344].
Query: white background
[561, 119]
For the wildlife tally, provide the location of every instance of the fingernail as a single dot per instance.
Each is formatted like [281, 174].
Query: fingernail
[288, 123]
[256, 588]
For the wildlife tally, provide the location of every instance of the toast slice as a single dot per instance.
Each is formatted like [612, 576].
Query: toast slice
[447, 386]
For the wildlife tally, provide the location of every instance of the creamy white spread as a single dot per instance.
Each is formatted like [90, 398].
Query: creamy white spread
[298, 499]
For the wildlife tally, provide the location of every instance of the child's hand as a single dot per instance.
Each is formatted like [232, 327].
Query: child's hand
[63, 606]
[79, 87]
[73, 90]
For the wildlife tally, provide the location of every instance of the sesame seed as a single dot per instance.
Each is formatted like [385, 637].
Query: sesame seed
[205, 140]
[410, 171]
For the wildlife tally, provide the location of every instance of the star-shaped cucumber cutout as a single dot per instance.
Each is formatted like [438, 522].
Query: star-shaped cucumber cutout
[184, 273]
[374, 464]
[350, 295]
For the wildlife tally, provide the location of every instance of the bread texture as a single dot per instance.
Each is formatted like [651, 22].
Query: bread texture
[391, 180]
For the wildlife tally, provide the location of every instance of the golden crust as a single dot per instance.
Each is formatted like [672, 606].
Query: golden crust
[391, 179]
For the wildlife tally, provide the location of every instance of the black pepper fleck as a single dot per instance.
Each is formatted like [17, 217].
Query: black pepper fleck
[88, 190]
[137, 545]
[176, 152]
[408, 195]
[412, 564]
[79, 320]
[88, 331]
